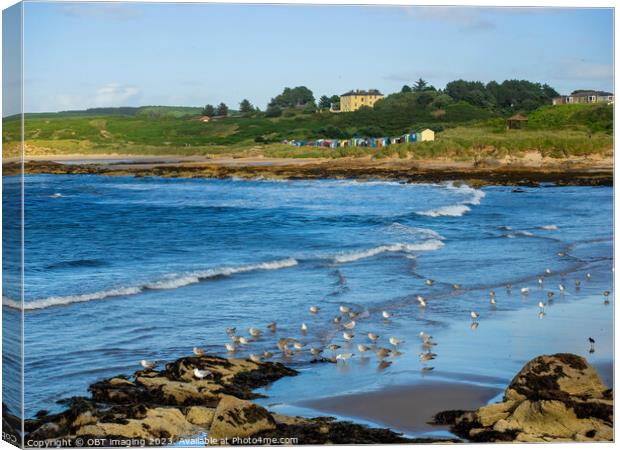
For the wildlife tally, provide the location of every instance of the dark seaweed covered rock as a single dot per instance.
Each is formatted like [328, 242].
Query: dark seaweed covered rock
[553, 398]
[170, 404]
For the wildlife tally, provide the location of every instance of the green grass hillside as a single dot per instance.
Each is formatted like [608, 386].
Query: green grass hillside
[462, 128]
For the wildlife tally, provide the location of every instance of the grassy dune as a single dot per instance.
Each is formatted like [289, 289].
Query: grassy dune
[555, 131]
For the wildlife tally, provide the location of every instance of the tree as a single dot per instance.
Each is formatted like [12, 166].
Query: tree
[296, 97]
[324, 102]
[222, 109]
[273, 111]
[405, 89]
[420, 85]
[208, 111]
[245, 106]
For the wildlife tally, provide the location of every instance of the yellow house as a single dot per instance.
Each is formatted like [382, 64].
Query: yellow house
[426, 135]
[354, 100]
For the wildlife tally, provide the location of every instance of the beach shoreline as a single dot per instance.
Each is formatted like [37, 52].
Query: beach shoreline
[526, 171]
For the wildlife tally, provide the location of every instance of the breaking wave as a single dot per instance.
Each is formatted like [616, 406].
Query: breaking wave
[170, 282]
[474, 198]
[426, 246]
[424, 233]
[550, 227]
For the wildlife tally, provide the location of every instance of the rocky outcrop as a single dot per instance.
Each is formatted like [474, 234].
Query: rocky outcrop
[479, 174]
[160, 407]
[553, 398]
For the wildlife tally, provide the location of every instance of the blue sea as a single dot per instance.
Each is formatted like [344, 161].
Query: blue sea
[119, 269]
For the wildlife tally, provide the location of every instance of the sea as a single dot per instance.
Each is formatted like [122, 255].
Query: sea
[119, 269]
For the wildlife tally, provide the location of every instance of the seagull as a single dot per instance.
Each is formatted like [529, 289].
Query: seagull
[386, 315]
[541, 281]
[429, 282]
[243, 340]
[267, 355]
[474, 316]
[425, 337]
[589, 276]
[344, 309]
[198, 351]
[421, 301]
[383, 353]
[255, 358]
[395, 342]
[456, 286]
[298, 345]
[577, 284]
[492, 294]
[547, 271]
[350, 325]
[384, 364]
[200, 374]
[230, 347]
[373, 337]
[333, 347]
[148, 365]
[592, 342]
[304, 328]
[231, 330]
[272, 327]
[347, 336]
[541, 305]
[561, 254]
[525, 291]
[344, 356]
[314, 309]
[362, 348]
[254, 332]
[493, 301]
[235, 339]
[550, 295]
[337, 319]
[427, 356]
[283, 344]
[315, 351]
[561, 286]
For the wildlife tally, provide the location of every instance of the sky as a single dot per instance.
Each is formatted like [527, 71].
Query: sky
[79, 55]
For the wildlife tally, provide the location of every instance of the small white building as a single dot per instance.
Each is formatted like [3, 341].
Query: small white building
[426, 135]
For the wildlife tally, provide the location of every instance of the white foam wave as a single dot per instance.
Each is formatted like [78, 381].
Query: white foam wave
[424, 233]
[550, 227]
[525, 233]
[429, 245]
[450, 210]
[170, 282]
[457, 210]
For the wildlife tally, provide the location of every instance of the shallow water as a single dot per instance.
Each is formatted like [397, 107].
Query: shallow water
[119, 269]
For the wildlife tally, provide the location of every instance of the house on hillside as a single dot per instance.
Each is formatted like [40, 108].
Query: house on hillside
[354, 100]
[584, 97]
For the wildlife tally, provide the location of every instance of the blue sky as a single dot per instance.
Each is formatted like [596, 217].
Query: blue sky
[87, 55]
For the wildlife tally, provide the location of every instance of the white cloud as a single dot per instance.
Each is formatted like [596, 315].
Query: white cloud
[114, 94]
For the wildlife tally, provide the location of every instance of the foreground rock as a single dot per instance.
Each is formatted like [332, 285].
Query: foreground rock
[160, 407]
[553, 398]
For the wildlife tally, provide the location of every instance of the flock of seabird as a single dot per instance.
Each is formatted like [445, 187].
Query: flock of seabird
[290, 347]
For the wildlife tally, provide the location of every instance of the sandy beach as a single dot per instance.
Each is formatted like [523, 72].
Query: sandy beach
[408, 409]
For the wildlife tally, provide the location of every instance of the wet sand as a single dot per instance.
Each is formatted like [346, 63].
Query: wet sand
[406, 408]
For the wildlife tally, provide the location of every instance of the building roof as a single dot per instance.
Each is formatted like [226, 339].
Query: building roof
[586, 93]
[358, 92]
[517, 117]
